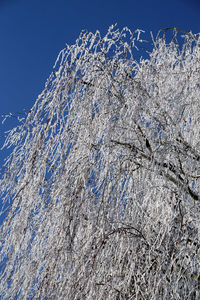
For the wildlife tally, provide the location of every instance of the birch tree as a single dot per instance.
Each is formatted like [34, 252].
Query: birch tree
[103, 180]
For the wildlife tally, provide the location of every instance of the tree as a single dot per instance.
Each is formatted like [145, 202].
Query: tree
[103, 179]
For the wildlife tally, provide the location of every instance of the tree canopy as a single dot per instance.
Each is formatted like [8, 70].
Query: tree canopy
[103, 181]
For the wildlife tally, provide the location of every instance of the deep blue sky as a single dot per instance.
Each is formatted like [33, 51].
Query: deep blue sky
[32, 32]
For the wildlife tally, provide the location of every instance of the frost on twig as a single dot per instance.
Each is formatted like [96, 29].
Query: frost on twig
[103, 179]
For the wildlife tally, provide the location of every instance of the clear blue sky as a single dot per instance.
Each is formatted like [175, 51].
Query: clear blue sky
[32, 32]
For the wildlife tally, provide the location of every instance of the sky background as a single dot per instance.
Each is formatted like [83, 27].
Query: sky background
[32, 33]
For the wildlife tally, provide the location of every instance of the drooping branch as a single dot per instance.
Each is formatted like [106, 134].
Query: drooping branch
[103, 179]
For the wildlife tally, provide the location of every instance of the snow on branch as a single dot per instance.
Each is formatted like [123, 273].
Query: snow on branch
[103, 181]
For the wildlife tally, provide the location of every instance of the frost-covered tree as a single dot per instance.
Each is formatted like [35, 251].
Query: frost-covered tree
[103, 181]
